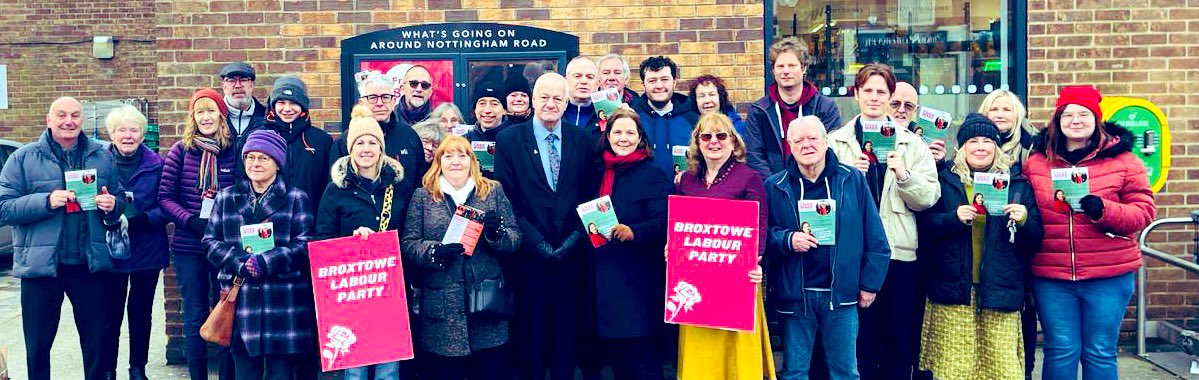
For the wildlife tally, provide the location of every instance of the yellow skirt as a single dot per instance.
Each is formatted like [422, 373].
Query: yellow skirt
[706, 354]
[962, 343]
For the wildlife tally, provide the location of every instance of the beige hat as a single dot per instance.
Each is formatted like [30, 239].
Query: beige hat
[362, 123]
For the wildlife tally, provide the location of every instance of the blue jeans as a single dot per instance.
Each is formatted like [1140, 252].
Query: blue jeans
[1081, 319]
[196, 278]
[838, 334]
[383, 371]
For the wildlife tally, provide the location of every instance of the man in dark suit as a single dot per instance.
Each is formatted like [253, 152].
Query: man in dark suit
[541, 163]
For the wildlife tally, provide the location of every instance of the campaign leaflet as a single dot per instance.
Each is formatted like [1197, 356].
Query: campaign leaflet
[361, 307]
[485, 152]
[460, 129]
[1070, 185]
[711, 245]
[878, 139]
[465, 227]
[818, 217]
[258, 238]
[606, 102]
[990, 191]
[933, 124]
[679, 153]
[83, 184]
[599, 218]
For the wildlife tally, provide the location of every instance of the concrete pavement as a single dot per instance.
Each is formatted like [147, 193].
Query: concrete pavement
[67, 359]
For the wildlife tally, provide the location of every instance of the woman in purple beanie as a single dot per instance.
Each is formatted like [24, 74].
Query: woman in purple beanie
[274, 323]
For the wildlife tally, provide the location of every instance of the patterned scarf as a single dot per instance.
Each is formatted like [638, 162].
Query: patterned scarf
[208, 172]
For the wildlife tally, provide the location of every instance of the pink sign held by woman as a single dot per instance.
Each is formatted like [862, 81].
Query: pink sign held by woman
[710, 245]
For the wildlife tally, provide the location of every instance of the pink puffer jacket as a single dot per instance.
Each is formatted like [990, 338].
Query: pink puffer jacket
[1075, 247]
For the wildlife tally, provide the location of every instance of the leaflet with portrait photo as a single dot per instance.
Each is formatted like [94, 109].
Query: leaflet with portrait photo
[258, 238]
[991, 191]
[679, 154]
[606, 102]
[818, 217]
[485, 152]
[599, 218]
[878, 138]
[465, 228]
[933, 124]
[1070, 185]
[83, 184]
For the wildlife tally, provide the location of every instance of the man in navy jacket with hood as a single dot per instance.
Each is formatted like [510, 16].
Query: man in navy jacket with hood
[787, 99]
[667, 116]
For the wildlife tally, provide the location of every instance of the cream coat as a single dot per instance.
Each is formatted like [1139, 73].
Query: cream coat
[900, 201]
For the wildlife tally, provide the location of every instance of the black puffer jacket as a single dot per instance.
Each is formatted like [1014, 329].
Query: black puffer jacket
[347, 205]
[947, 257]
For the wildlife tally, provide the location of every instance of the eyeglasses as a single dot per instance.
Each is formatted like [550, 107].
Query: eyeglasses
[258, 159]
[386, 98]
[909, 106]
[236, 80]
[422, 84]
[707, 136]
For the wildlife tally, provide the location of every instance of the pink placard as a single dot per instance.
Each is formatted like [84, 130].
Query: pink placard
[361, 308]
[711, 245]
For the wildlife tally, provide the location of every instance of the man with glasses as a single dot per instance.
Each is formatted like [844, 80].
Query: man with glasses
[790, 97]
[400, 141]
[246, 114]
[417, 90]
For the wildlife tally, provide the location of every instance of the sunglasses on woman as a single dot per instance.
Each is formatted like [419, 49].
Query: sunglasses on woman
[707, 136]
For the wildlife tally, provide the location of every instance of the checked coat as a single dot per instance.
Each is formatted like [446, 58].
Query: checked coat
[275, 313]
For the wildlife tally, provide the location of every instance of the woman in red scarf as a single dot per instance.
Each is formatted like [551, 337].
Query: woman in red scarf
[625, 277]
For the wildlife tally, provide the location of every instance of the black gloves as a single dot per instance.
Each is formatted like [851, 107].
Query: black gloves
[569, 244]
[492, 224]
[1092, 206]
[545, 250]
[196, 225]
[444, 254]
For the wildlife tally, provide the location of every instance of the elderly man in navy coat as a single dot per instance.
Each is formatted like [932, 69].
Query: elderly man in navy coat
[541, 162]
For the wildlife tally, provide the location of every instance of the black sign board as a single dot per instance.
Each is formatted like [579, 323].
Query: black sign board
[458, 56]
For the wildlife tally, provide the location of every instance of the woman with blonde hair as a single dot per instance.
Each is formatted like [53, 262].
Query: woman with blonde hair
[716, 168]
[972, 318]
[366, 194]
[1016, 133]
[198, 166]
[460, 339]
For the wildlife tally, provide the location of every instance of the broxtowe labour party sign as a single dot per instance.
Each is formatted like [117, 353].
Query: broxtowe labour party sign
[361, 309]
[712, 244]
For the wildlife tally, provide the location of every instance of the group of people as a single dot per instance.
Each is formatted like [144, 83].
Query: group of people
[916, 279]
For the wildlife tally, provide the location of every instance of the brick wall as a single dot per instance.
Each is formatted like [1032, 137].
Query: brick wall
[1138, 48]
[47, 46]
[1143, 49]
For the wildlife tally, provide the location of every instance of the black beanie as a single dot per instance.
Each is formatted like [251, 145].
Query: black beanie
[289, 88]
[977, 125]
[487, 90]
[517, 83]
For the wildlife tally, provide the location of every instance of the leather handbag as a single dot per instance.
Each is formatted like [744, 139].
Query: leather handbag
[491, 298]
[218, 328]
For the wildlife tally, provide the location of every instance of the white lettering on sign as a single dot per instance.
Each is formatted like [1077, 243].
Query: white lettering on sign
[459, 39]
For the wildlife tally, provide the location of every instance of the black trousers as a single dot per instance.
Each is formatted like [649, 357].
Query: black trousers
[486, 364]
[264, 367]
[543, 332]
[889, 330]
[1028, 325]
[41, 308]
[631, 358]
[133, 292]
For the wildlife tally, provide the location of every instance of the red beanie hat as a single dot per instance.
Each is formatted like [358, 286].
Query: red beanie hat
[1086, 96]
[211, 94]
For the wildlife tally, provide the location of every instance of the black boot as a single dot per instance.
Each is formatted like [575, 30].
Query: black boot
[197, 369]
[137, 373]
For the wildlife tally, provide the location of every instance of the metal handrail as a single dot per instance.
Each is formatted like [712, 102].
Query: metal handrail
[1163, 256]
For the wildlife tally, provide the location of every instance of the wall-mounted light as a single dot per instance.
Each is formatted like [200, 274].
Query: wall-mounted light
[103, 47]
